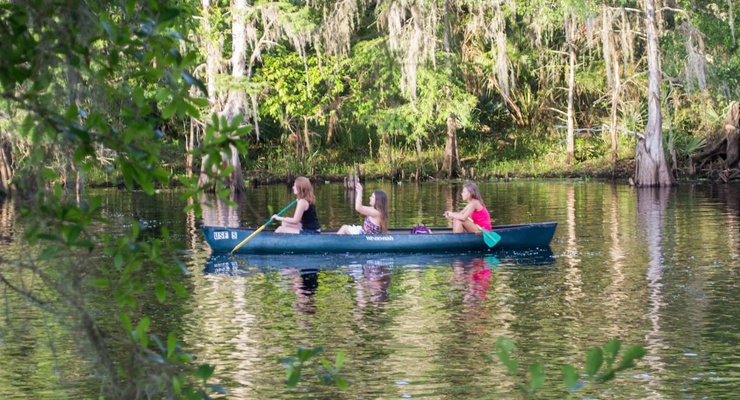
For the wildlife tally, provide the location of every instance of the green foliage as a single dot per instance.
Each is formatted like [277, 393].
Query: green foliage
[601, 365]
[589, 148]
[65, 72]
[299, 87]
[221, 135]
[294, 367]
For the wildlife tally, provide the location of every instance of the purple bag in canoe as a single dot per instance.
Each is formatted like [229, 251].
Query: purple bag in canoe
[420, 230]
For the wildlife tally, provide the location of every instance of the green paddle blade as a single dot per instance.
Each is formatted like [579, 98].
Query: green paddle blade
[491, 238]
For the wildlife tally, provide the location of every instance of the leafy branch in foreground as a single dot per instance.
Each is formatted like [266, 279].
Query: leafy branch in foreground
[94, 81]
[595, 360]
[294, 367]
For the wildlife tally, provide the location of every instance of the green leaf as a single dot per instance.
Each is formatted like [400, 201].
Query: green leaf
[339, 361]
[142, 328]
[166, 235]
[169, 110]
[167, 14]
[48, 253]
[138, 95]
[49, 174]
[191, 110]
[204, 372]
[118, 261]
[594, 359]
[193, 81]
[306, 353]
[176, 385]
[179, 289]
[162, 94]
[633, 353]
[612, 348]
[294, 377]
[126, 321]
[199, 101]
[503, 347]
[128, 175]
[570, 376]
[160, 292]
[171, 342]
[99, 283]
[146, 183]
[536, 376]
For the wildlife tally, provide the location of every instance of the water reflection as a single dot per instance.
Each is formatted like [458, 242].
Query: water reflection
[474, 275]
[218, 212]
[373, 264]
[304, 283]
[659, 269]
[372, 280]
[651, 208]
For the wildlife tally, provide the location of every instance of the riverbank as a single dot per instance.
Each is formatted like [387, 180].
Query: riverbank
[598, 170]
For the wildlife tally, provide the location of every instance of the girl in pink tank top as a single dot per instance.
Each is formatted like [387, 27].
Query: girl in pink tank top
[482, 218]
[475, 210]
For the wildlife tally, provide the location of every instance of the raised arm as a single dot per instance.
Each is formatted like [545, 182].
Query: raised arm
[364, 210]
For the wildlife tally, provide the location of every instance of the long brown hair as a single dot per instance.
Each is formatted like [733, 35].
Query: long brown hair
[381, 204]
[474, 192]
[305, 190]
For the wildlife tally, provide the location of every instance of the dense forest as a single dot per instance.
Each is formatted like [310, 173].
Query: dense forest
[408, 88]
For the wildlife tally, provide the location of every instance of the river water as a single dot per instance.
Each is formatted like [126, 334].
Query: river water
[658, 268]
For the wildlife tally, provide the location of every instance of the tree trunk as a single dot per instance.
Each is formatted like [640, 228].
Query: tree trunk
[236, 102]
[732, 22]
[333, 125]
[451, 164]
[213, 56]
[306, 136]
[732, 127]
[651, 166]
[6, 171]
[570, 136]
[189, 147]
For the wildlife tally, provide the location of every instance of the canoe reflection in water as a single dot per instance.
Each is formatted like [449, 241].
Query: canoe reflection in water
[373, 274]
[249, 264]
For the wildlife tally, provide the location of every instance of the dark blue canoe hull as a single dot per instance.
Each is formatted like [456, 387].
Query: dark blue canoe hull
[399, 240]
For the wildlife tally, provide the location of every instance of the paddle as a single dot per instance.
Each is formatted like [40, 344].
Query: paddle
[262, 227]
[490, 237]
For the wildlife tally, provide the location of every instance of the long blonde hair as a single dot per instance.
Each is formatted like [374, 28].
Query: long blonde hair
[305, 190]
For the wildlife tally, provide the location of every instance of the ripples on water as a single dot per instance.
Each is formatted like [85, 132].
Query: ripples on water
[652, 268]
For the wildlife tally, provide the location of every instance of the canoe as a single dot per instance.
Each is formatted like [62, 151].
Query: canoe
[397, 240]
